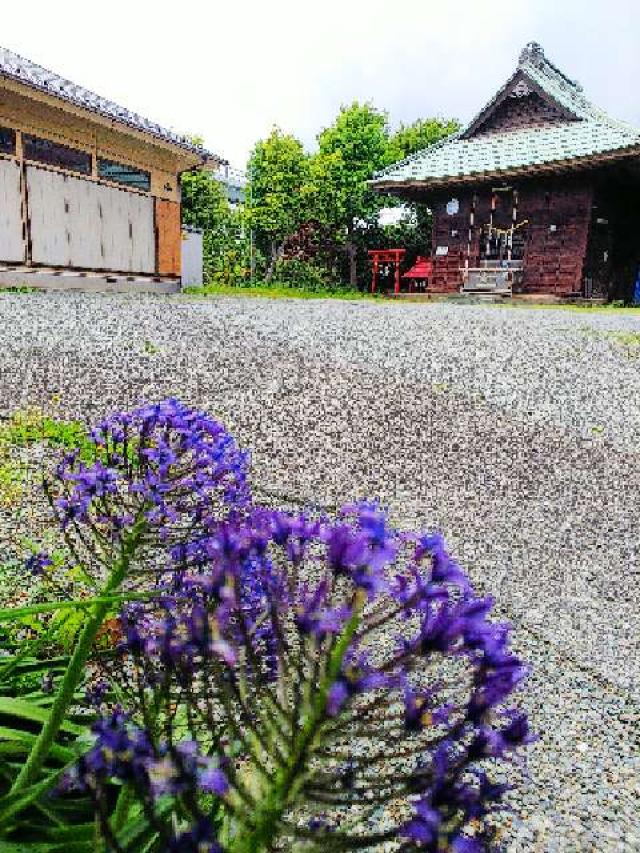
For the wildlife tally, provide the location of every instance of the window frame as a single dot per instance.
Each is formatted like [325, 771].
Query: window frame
[120, 183]
[30, 139]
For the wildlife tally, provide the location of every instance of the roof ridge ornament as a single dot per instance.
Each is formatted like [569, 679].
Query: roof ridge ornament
[531, 53]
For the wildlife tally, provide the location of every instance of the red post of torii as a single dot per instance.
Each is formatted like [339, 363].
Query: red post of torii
[386, 256]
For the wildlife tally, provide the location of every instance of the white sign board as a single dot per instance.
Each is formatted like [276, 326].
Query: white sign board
[453, 206]
[442, 250]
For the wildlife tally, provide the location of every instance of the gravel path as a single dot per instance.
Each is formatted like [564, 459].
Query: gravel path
[515, 431]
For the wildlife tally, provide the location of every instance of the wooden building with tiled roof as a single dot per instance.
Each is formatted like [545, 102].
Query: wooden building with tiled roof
[539, 193]
[89, 190]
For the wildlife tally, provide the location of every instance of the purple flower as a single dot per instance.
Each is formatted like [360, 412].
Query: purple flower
[200, 838]
[424, 826]
[213, 781]
[465, 844]
[443, 568]
[46, 684]
[517, 732]
[96, 693]
[313, 619]
[419, 712]
[244, 646]
[178, 463]
[357, 677]
[37, 563]
[121, 751]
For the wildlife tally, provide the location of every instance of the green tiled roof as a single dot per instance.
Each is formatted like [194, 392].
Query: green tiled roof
[586, 132]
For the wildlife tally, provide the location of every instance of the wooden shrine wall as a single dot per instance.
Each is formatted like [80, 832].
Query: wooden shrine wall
[557, 233]
[558, 214]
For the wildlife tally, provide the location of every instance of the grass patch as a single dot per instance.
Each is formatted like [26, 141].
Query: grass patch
[631, 340]
[613, 308]
[31, 426]
[150, 348]
[274, 292]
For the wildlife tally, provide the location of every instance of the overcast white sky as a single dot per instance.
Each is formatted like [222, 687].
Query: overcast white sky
[229, 71]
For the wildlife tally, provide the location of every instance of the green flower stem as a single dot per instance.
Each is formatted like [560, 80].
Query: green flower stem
[75, 668]
[289, 779]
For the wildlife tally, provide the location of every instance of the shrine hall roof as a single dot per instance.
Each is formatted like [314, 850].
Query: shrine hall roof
[580, 132]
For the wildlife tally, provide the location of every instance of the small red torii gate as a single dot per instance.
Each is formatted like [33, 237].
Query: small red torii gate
[386, 256]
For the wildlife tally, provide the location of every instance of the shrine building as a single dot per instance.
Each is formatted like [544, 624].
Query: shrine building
[538, 194]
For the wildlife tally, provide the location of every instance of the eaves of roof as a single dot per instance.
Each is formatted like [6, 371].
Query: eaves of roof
[34, 76]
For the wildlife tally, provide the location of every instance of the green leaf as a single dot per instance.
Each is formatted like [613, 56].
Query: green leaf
[139, 830]
[26, 711]
[14, 614]
[22, 741]
[13, 803]
[78, 832]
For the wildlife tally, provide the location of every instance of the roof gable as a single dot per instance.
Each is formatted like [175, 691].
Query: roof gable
[521, 97]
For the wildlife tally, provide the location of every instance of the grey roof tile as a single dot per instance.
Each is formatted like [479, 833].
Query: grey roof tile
[587, 132]
[25, 71]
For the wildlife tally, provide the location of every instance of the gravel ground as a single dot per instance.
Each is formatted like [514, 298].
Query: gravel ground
[515, 431]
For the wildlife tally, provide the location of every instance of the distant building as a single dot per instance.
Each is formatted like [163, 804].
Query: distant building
[89, 191]
[234, 182]
[538, 194]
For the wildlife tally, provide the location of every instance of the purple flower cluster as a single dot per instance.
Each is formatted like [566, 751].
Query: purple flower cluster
[282, 642]
[166, 464]
[126, 752]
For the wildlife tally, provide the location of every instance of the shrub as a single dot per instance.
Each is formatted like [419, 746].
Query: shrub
[305, 275]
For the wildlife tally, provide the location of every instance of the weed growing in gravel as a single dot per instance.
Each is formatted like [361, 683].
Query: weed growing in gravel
[18, 289]
[24, 429]
[629, 340]
[282, 680]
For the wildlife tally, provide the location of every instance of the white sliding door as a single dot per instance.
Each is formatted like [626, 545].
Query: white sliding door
[83, 224]
[11, 239]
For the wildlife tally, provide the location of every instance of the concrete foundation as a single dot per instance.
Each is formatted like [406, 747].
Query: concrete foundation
[88, 282]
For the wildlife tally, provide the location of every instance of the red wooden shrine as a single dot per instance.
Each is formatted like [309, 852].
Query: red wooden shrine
[420, 273]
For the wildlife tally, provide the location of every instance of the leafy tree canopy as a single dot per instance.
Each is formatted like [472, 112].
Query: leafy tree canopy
[354, 147]
[278, 169]
[420, 134]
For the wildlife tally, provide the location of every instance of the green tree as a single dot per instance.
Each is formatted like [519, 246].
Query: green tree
[276, 197]
[420, 134]
[350, 151]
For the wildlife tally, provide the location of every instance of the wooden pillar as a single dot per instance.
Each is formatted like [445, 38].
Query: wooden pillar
[374, 280]
[396, 289]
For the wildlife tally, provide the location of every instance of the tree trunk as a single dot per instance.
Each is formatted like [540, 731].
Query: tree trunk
[352, 255]
[276, 253]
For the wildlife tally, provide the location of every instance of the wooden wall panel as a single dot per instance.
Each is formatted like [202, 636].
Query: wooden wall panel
[50, 239]
[141, 226]
[558, 212]
[169, 237]
[11, 238]
[82, 224]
